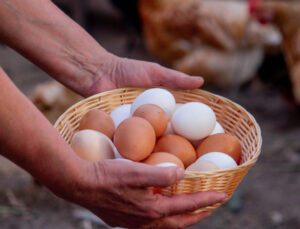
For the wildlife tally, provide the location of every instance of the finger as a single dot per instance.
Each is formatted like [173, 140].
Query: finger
[151, 176]
[180, 204]
[179, 221]
[177, 80]
[141, 175]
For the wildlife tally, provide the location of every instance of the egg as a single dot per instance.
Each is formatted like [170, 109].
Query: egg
[158, 96]
[92, 145]
[159, 190]
[177, 106]
[135, 139]
[161, 157]
[178, 146]
[221, 143]
[195, 143]
[120, 113]
[169, 129]
[218, 129]
[155, 115]
[167, 164]
[202, 166]
[117, 154]
[98, 120]
[194, 121]
[222, 160]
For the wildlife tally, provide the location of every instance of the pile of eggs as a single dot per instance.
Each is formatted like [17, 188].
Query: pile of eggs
[156, 131]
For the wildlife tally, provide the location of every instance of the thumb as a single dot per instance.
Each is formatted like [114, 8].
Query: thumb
[141, 175]
[175, 79]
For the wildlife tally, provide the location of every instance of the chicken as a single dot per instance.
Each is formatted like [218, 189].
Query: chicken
[221, 68]
[215, 39]
[52, 99]
[286, 15]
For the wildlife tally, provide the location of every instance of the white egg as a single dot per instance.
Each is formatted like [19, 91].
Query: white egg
[166, 164]
[202, 166]
[120, 113]
[194, 121]
[222, 160]
[178, 105]
[92, 146]
[169, 129]
[218, 129]
[157, 96]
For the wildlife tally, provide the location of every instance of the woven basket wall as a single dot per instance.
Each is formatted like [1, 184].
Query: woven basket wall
[234, 119]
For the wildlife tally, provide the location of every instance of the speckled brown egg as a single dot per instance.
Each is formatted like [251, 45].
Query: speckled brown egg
[135, 139]
[178, 146]
[224, 143]
[155, 115]
[162, 157]
[98, 120]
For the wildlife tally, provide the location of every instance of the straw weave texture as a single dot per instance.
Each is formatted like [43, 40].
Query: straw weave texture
[233, 118]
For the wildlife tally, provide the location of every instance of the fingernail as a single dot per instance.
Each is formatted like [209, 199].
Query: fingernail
[225, 197]
[198, 77]
[180, 173]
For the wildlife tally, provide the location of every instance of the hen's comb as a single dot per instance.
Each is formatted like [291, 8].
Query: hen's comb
[253, 4]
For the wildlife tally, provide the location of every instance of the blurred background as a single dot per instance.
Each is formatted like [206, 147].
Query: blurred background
[255, 65]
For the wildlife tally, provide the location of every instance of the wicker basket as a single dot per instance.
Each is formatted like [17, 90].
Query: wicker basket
[234, 119]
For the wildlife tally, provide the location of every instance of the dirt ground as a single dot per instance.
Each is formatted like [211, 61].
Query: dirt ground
[268, 198]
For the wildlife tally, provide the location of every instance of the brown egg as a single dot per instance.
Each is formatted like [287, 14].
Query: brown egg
[224, 143]
[98, 120]
[161, 157]
[157, 190]
[155, 115]
[135, 139]
[178, 146]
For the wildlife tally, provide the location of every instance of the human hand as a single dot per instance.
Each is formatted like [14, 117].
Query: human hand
[117, 192]
[118, 72]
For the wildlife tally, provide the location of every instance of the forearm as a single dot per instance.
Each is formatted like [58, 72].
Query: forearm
[50, 39]
[29, 140]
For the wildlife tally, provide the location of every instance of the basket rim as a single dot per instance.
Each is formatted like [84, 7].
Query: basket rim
[188, 174]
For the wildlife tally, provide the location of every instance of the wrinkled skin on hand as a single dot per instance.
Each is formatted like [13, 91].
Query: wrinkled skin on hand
[118, 192]
[118, 72]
